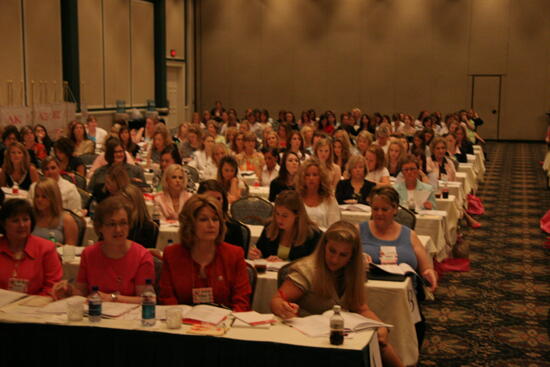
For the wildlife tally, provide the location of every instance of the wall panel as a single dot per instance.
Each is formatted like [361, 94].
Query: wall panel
[175, 27]
[90, 41]
[11, 68]
[143, 47]
[116, 29]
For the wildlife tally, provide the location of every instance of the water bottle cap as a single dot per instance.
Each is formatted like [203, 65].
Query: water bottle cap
[95, 288]
[148, 281]
[337, 308]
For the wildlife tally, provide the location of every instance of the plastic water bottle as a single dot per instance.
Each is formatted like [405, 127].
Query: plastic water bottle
[51, 237]
[94, 305]
[148, 302]
[170, 243]
[336, 326]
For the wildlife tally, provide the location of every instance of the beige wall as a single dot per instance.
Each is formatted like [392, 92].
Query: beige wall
[400, 55]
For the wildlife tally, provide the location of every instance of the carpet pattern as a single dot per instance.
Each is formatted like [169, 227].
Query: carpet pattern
[497, 314]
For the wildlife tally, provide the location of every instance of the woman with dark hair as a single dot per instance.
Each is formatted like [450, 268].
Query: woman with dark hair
[287, 173]
[42, 137]
[36, 150]
[28, 264]
[82, 145]
[295, 144]
[64, 149]
[115, 154]
[233, 233]
[142, 229]
[324, 125]
[202, 268]
[290, 234]
[127, 142]
[228, 171]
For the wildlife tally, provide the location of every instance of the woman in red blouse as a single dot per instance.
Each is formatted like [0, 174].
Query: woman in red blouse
[203, 268]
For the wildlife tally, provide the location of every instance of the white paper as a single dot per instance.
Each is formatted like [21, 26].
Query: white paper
[7, 296]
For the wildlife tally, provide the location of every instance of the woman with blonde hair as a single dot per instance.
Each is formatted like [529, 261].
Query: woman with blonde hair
[333, 275]
[250, 159]
[203, 160]
[52, 222]
[142, 230]
[202, 268]
[363, 141]
[312, 183]
[174, 194]
[17, 168]
[271, 140]
[307, 135]
[394, 157]
[290, 234]
[324, 152]
[356, 188]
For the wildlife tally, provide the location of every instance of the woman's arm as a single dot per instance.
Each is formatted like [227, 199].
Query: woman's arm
[2, 178]
[81, 170]
[333, 211]
[51, 266]
[166, 294]
[282, 302]
[424, 265]
[234, 192]
[70, 229]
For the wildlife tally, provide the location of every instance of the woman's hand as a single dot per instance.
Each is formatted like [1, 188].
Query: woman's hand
[254, 253]
[430, 276]
[105, 297]
[62, 290]
[367, 259]
[274, 258]
[382, 334]
[350, 201]
[283, 309]
[428, 205]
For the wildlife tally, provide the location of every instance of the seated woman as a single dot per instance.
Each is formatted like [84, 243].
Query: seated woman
[143, 230]
[355, 189]
[28, 264]
[342, 151]
[287, 173]
[233, 233]
[118, 266]
[161, 139]
[383, 230]
[82, 145]
[453, 150]
[174, 194]
[203, 268]
[228, 171]
[170, 155]
[203, 159]
[313, 186]
[439, 165]
[126, 140]
[376, 170]
[115, 154]
[413, 193]
[17, 168]
[290, 234]
[37, 151]
[64, 150]
[364, 140]
[295, 144]
[52, 223]
[333, 275]
[323, 151]
[396, 153]
[43, 138]
[250, 159]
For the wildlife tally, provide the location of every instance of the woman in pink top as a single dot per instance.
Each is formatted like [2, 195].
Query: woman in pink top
[118, 266]
[174, 194]
[28, 264]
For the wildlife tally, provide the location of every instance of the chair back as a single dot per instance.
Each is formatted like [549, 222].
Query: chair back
[252, 210]
[252, 278]
[81, 225]
[193, 178]
[405, 217]
[283, 273]
[76, 178]
[85, 197]
[88, 158]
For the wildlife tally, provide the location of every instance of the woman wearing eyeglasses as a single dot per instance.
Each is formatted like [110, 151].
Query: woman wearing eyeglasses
[118, 266]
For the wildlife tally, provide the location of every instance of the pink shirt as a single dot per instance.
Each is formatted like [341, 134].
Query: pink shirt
[166, 206]
[40, 265]
[116, 275]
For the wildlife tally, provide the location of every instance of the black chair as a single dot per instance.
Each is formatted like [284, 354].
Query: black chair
[282, 274]
[88, 158]
[80, 223]
[193, 178]
[252, 210]
[76, 178]
[405, 217]
[252, 278]
[246, 236]
[85, 197]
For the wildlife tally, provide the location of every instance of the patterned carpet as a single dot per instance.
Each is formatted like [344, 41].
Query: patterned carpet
[498, 313]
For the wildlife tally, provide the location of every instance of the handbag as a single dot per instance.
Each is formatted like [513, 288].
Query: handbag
[475, 206]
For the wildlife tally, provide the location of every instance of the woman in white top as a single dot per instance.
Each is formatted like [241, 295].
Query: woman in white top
[324, 152]
[439, 165]
[314, 187]
[377, 172]
[203, 160]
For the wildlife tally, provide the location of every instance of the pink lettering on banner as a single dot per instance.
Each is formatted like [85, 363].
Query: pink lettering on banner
[14, 120]
[44, 116]
[56, 114]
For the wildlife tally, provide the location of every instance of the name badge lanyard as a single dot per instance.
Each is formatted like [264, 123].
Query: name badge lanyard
[17, 284]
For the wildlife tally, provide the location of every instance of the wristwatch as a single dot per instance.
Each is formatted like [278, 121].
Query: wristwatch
[114, 297]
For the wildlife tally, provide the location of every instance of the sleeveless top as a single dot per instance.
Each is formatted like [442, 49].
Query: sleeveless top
[24, 184]
[403, 246]
[47, 232]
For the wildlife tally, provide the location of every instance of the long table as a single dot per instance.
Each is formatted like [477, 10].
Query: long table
[55, 341]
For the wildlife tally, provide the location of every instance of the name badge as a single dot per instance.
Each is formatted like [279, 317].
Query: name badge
[18, 285]
[203, 295]
[388, 255]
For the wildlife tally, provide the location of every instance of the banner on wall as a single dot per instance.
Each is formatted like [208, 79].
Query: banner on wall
[53, 116]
